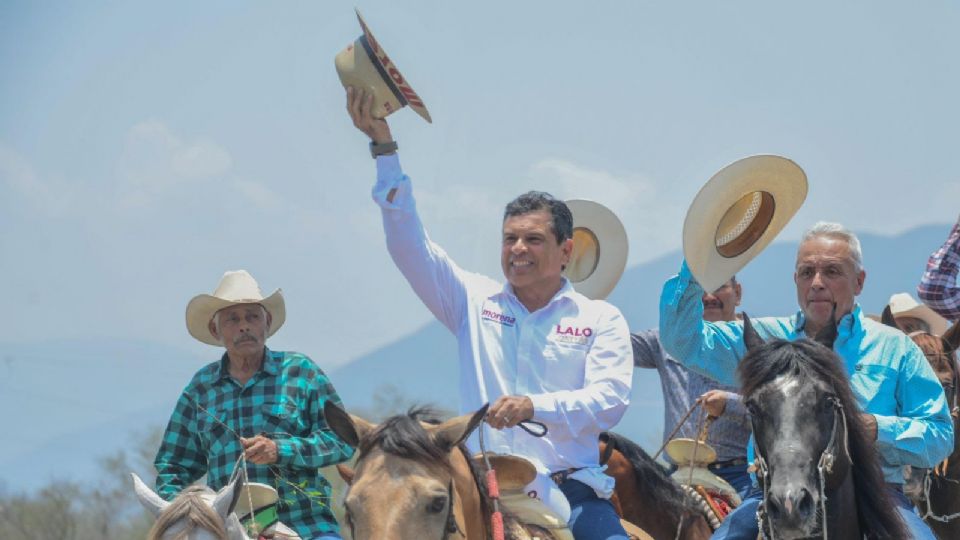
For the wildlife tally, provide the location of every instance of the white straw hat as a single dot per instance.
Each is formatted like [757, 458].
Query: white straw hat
[905, 305]
[236, 287]
[738, 213]
[599, 249]
[364, 64]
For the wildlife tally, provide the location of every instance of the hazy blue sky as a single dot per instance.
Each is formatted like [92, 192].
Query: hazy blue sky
[145, 149]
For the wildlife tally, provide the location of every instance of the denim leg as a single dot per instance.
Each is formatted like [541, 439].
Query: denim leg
[328, 537]
[741, 524]
[918, 529]
[738, 478]
[591, 518]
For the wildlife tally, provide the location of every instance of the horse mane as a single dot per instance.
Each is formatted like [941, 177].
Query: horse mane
[191, 507]
[669, 497]
[810, 360]
[403, 436]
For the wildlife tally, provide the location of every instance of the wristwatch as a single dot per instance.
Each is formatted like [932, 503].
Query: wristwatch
[382, 149]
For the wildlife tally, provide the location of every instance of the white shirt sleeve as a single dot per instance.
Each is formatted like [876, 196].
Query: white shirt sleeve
[435, 278]
[608, 376]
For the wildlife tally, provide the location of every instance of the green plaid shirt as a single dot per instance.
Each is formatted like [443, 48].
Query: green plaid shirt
[285, 401]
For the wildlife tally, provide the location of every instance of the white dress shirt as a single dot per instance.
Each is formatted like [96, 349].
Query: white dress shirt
[572, 357]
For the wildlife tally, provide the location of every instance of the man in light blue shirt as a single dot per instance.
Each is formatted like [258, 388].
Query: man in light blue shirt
[903, 402]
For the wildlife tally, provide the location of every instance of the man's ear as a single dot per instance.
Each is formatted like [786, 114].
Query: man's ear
[269, 318]
[861, 279]
[213, 330]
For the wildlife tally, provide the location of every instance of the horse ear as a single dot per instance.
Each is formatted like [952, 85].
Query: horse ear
[148, 498]
[888, 319]
[828, 334]
[346, 473]
[750, 336]
[951, 337]
[456, 430]
[226, 499]
[351, 429]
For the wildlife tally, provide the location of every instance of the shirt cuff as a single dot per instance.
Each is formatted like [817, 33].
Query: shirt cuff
[388, 168]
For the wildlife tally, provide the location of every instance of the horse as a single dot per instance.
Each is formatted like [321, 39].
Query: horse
[817, 466]
[936, 493]
[646, 496]
[198, 513]
[414, 480]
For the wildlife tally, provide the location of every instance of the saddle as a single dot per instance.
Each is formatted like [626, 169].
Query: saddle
[514, 473]
[715, 495]
[257, 509]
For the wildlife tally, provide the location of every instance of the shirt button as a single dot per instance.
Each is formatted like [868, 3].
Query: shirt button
[859, 367]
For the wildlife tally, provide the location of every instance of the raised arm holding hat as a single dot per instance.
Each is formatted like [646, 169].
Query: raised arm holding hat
[892, 380]
[535, 348]
[263, 405]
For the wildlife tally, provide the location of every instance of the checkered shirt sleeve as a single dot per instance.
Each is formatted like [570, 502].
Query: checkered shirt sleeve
[938, 286]
[284, 401]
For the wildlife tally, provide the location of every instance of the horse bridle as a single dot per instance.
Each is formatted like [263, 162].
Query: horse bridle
[825, 466]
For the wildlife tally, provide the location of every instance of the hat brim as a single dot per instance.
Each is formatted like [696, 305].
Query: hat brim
[782, 179]
[257, 494]
[612, 248]
[202, 307]
[685, 451]
[364, 64]
[938, 325]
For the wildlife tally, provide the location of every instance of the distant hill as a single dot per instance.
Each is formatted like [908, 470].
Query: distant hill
[67, 402]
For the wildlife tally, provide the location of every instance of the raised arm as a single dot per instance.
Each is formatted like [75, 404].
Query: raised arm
[938, 286]
[711, 349]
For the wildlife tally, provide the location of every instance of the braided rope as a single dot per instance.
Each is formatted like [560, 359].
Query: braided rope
[703, 506]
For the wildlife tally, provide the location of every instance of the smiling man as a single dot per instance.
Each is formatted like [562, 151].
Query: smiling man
[534, 348]
[264, 405]
[899, 393]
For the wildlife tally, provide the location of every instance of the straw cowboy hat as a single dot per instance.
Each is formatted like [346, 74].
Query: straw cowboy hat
[236, 287]
[738, 213]
[599, 249]
[364, 64]
[904, 305]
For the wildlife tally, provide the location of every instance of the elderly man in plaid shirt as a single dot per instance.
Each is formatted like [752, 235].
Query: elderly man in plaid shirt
[266, 405]
[938, 286]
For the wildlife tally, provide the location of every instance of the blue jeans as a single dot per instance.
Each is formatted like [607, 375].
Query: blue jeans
[591, 518]
[741, 524]
[327, 537]
[738, 478]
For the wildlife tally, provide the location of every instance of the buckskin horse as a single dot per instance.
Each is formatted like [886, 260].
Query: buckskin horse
[413, 480]
[817, 466]
[646, 496]
[936, 492]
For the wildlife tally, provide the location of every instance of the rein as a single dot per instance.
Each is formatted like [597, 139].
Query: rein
[927, 483]
[828, 459]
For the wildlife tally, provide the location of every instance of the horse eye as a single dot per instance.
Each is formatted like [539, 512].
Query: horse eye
[437, 504]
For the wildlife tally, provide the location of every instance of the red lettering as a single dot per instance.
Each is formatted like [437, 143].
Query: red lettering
[411, 96]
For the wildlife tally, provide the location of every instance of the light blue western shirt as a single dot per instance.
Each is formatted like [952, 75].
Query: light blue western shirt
[889, 375]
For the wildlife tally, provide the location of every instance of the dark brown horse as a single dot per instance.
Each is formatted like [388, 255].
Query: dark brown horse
[646, 496]
[817, 465]
[936, 493]
[413, 480]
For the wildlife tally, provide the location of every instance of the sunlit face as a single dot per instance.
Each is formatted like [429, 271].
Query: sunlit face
[721, 304]
[531, 258]
[242, 328]
[826, 275]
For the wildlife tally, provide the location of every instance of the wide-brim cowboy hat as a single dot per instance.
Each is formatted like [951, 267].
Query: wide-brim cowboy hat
[599, 249]
[738, 213]
[364, 64]
[686, 451]
[905, 305]
[236, 287]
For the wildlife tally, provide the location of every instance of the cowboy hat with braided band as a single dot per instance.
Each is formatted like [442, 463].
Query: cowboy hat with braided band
[737, 213]
[599, 249]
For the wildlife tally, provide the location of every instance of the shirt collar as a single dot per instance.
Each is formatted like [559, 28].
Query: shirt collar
[271, 364]
[566, 291]
[849, 324]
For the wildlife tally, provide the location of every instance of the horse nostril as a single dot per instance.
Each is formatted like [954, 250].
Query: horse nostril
[805, 503]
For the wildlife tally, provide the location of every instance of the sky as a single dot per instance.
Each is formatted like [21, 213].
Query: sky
[146, 148]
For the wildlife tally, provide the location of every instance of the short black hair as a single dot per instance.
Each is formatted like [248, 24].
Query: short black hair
[561, 220]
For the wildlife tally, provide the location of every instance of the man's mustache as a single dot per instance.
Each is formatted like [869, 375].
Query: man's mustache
[244, 338]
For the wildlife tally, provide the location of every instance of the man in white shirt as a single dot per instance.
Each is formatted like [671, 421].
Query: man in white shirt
[534, 348]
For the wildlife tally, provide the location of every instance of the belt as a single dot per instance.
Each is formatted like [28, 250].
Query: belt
[560, 477]
[728, 463]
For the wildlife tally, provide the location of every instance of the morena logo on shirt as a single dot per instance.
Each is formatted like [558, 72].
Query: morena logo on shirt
[505, 320]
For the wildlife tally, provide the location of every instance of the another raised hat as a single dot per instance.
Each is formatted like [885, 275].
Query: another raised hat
[904, 305]
[599, 249]
[364, 64]
[737, 213]
[235, 287]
